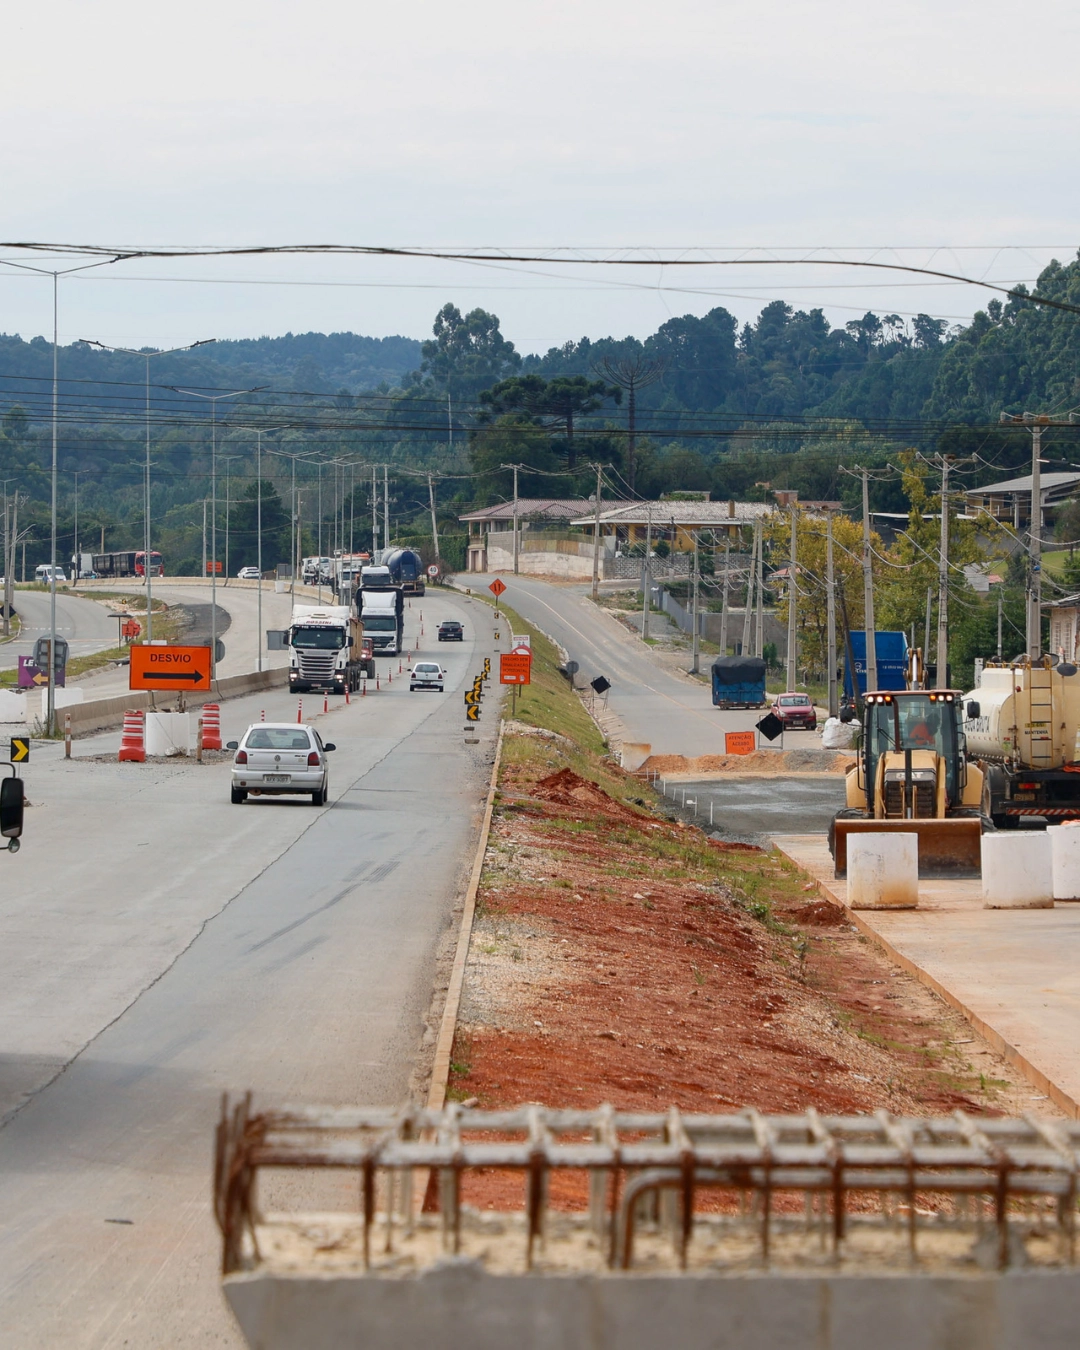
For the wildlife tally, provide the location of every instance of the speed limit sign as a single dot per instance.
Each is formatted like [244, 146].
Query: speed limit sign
[433, 570]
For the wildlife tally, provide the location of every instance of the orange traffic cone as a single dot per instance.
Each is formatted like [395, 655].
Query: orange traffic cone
[211, 715]
[133, 741]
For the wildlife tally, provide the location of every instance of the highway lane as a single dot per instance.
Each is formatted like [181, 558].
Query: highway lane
[672, 712]
[273, 946]
[84, 624]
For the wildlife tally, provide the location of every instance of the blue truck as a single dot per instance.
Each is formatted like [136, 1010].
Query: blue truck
[738, 682]
[892, 654]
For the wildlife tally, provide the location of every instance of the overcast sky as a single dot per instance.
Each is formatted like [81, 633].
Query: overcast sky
[839, 125]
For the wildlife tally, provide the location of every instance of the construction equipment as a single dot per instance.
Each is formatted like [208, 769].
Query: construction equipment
[912, 776]
[1023, 727]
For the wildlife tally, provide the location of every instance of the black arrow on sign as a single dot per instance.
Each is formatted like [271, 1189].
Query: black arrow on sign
[195, 676]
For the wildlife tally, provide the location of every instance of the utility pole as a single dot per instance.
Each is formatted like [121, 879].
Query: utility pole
[697, 622]
[791, 629]
[748, 603]
[386, 508]
[942, 681]
[515, 520]
[203, 538]
[759, 626]
[646, 575]
[434, 522]
[596, 543]
[374, 512]
[1035, 422]
[999, 624]
[869, 623]
[724, 603]
[830, 616]
[926, 633]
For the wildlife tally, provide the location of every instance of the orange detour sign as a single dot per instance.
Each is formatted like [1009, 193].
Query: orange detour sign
[515, 668]
[170, 668]
[497, 587]
[740, 743]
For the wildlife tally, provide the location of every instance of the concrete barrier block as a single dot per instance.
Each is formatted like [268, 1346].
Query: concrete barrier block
[1017, 871]
[633, 754]
[168, 733]
[1065, 860]
[883, 871]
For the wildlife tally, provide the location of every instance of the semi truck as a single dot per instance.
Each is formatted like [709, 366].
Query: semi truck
[383, 615]
[1022, 726]
[738, 682]
[328, 650]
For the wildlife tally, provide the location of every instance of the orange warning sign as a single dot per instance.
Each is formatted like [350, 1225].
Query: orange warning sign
[168, 668]
[740, 743]
[515, 668]
[497, 587]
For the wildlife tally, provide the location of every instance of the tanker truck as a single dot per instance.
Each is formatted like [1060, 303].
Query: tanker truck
[1022, 726]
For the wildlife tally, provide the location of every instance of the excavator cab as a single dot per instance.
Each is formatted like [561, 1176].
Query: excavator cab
[912, 776]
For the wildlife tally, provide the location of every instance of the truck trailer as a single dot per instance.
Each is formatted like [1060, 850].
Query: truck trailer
[1022, 726]
[738, 682]
[329, 651]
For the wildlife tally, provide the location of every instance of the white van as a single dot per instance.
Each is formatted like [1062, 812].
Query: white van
[43, 573]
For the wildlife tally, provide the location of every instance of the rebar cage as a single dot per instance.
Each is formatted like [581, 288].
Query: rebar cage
[656, 1191]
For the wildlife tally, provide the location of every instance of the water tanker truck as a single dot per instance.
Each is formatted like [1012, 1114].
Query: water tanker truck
[1023, 727]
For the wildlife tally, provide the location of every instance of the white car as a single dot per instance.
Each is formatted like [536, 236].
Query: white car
[280, 758]
[248, 574]
[427, 675]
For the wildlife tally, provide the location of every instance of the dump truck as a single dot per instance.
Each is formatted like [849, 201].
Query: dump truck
[1023, 728]
[738, 682]
[328, 650]
[912, 775]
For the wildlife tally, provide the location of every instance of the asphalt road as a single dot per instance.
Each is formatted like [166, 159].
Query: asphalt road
[159, 946]
[672, 712]
[84, 624]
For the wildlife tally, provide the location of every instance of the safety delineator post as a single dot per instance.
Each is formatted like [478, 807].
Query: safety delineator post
[363, 687]
[389, 677]
[326, 703]
[300, 710]
[67, 735]
[347, 699]
[133, 740]
[376, 682]
[211, 720]
[262, 715]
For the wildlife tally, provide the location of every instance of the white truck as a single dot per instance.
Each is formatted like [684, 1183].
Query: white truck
[328, 650]
[384, 619]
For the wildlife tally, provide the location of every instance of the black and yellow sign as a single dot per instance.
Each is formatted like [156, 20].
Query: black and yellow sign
[472, 712]
[20, 750]
[472, 698]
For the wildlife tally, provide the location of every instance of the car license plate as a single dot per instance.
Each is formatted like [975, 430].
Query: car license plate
[276, 777]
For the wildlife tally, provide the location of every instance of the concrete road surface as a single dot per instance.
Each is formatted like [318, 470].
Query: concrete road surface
[159, 946]
[672, 712]
[751, 808]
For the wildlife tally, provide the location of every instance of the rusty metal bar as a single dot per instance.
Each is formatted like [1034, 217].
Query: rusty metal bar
[1019, 1171]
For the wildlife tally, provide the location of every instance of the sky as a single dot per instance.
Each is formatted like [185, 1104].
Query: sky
[928, 133]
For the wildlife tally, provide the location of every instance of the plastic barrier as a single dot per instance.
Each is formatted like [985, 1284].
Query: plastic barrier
[133, 741]
[883, 871]
[1017, 872]
[211, 716]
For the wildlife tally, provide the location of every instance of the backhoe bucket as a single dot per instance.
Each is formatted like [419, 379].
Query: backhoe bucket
[947, 848]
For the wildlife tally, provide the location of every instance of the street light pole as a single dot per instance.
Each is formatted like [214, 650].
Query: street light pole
[213, 400]
[127, 351]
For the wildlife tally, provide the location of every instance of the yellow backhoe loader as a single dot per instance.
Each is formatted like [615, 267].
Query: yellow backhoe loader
[912, 776]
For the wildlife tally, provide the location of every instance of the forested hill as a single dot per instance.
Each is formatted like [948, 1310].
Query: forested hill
[310, 363]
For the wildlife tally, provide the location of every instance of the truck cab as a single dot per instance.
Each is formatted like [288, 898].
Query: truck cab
[326, 650]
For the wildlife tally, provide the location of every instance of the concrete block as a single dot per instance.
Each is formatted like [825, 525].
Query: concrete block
[883, 871]
[1017, 872]
[633, 754]
[13, 707]
[1065, 860]
[168, 733]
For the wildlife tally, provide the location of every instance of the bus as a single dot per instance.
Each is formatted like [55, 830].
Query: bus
[130, 563]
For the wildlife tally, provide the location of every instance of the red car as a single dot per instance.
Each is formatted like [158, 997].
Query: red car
[796, 710]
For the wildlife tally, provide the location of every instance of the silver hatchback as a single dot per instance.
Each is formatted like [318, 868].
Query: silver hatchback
[280, 758]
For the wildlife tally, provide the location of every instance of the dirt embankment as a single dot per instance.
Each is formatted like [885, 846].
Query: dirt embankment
[618, 956]
[759, 761]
